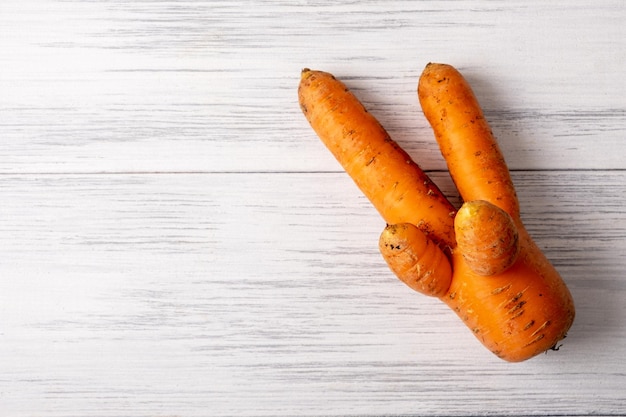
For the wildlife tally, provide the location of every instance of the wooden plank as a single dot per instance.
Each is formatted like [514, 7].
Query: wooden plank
[249, 295]
[209, 86]
[174, 240]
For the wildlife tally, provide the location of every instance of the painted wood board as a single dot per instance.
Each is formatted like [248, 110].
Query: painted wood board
[175, 241]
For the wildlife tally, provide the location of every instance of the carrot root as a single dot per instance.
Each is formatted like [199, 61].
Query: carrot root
[480, 261]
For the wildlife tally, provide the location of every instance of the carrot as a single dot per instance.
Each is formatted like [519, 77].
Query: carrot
[384, 172]
[415, 259]
[527, 308]
[486, 237]
[522, 307]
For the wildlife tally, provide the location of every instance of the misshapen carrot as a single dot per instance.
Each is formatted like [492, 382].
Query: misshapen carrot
[526, 309]
[385, 173]
[516, 311]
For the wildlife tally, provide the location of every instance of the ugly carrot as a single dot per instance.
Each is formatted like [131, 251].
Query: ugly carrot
[527, 308]
[385, 173]
[516, 313]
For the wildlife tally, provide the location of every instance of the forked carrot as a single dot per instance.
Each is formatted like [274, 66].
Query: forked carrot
[517, 305]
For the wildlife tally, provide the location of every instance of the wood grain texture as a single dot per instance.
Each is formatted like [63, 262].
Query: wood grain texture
[174, 240]
[136, 294]
[210, 85]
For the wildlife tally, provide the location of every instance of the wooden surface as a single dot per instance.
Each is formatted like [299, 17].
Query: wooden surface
[175, 241]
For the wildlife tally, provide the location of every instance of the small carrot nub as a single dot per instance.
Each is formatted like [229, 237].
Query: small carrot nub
[487, 237]
[415, 260]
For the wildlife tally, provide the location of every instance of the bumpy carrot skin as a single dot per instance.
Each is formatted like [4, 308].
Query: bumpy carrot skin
[486, 236]
[527, 308]
[385, 173]
[415, 259]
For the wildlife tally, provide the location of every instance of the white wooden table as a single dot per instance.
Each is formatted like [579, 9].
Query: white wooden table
[175, 241]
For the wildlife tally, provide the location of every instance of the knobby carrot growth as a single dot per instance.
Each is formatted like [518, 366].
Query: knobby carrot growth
[480, 261]
[415, 259]
[486, 236]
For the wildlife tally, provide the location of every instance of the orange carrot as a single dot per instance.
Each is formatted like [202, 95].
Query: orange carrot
[386, 174]
[522, 307]
[527, 308]
[415, 259]
[486, 236]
